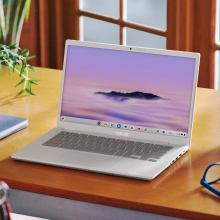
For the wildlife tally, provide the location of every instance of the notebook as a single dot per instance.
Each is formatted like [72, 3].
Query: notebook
[125, 111]
[11, 124]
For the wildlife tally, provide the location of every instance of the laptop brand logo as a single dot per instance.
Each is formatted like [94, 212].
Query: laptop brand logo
[121, 133]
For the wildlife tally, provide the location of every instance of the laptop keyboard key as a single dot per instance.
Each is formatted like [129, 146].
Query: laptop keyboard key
[127, 154]
[144, 158]
[111, 152]
[55, 142]
[137, 153]
[70, 147]
[62, 145]
[51, 144]
[155, 156]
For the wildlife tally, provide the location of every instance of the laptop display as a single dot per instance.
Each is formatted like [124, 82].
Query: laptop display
[128, 90]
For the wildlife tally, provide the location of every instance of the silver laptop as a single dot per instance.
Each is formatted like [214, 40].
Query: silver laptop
[124, 111]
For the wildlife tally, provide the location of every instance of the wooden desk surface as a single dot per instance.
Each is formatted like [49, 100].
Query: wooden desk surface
[176, 192]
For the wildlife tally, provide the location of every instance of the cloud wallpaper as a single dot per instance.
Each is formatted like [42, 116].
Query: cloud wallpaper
[130, 88]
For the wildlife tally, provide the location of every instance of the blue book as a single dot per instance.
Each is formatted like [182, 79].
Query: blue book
[11, 124]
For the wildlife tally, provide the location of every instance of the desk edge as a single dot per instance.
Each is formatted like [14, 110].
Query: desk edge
[109, 201]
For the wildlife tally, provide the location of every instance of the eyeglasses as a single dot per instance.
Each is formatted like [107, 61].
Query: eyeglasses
[207, 184]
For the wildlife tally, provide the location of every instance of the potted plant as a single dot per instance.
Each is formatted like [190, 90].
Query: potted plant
[12, 15]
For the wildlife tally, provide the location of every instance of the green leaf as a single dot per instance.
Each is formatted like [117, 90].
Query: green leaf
[32, 68]
[2, 20]
[9, 47]
[21, 15]
[22, 9]
[22, 91]
[5, 54]
[34, 83]
[22, 70]
[21, 51]
[12, 47]
[5, 49]
[13, 22]
[31, 57]
[29, 91]
[14, 65]
[27, 71]
[25, 62]
[6, 65]
[11, 56]
[28, 6]
[18, 61]
[25, 54]
[34, 79]
[7, 16]
[1, 69]
[29, 84]
[20, 82]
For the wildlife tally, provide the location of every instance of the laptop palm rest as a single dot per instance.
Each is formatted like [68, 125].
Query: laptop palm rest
[71, 158]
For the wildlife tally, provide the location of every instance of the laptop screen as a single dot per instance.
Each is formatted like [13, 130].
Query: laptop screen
[128, 90]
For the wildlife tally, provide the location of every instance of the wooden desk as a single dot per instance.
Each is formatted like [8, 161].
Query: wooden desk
[176, 192]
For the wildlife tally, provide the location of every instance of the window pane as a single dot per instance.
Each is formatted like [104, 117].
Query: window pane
[105, 7]
[144, 39]
[152, 13]
[98, 31]
[217, 70]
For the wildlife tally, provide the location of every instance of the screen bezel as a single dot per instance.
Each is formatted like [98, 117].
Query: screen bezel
[132, 134]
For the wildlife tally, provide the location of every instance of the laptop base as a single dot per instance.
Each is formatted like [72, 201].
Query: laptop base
[147, 170]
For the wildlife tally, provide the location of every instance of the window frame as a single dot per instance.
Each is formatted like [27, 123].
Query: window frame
[171, 15]
[190, 27]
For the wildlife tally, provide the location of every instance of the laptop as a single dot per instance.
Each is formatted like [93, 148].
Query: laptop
[125, 111]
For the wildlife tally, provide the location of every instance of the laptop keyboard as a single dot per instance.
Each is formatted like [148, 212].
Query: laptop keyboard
[108, 146]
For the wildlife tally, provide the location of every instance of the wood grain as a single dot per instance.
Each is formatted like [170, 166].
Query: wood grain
[176, 192]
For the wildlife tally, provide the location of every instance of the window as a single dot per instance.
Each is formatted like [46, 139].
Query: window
[184, 25]
[126, 22]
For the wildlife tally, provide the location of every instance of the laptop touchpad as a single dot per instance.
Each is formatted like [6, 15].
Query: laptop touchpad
[82, 159]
